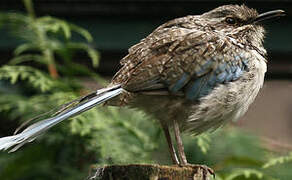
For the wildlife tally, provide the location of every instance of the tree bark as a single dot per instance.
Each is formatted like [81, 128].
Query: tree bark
[150, 172]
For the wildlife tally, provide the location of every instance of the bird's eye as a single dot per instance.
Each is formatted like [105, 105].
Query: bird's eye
[230, 20]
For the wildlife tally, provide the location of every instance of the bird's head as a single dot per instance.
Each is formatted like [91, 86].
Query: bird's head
[239, 21]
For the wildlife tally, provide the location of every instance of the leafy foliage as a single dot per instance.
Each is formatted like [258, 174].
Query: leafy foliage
[204, 142]
[101, 135]
[45, 37]
[35, 77]
[247, 173]
[278, 161]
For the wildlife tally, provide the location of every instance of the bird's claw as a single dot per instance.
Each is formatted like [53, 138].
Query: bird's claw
[205, 170]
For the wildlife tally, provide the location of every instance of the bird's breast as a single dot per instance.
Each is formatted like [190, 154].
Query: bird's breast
[228, 101]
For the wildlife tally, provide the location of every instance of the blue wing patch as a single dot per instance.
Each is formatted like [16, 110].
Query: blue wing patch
[206, 78]
[180, 83]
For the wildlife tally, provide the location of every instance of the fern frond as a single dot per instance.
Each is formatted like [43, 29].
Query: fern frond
[218, 177]
[83, 32]
[55, 25]
[36, 78]
[92, 53]
[278, 161]
[25, 47]
[24, 107]
[18, 25]
[246, 173]
[13, 19]
[26, 58]
[203, 141]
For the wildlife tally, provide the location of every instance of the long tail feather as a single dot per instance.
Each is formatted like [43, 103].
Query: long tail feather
[36, 129]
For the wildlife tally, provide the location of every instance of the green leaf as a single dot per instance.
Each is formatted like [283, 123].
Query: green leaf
[83, 32]
[13, 19]
[203, 142]
[54, 44]
[35, 77]
[217, 177]
[65, 28]
[246, 173]
[92, 53]
[55, 24]
[24, 47]
[29, 8]
[278, 161]
[26, 58]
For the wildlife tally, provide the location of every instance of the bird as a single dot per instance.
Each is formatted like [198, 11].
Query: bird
[193, 74]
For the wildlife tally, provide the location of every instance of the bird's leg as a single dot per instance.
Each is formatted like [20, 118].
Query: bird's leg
[180, 146]
[182, 157]
[170, 145]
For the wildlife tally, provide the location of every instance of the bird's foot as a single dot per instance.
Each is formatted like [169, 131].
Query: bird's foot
[203, 168]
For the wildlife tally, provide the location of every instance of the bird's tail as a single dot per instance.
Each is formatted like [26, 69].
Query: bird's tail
[36, 129]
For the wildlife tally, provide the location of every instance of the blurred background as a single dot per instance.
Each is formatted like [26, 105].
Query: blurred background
[54, 51]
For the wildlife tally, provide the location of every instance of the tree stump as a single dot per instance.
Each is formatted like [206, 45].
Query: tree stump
[151, 172]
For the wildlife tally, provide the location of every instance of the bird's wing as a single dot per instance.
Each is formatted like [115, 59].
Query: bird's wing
[181, 60]
[153, 51]
[200, 63]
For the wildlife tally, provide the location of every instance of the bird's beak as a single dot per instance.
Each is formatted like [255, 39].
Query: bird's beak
[269, 15]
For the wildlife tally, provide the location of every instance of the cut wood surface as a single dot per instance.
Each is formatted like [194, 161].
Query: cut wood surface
[151, 172]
